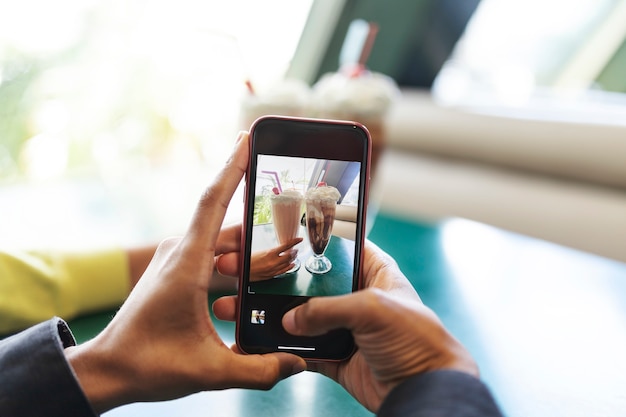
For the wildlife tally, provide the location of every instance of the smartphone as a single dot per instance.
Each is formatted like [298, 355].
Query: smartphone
[303, 229]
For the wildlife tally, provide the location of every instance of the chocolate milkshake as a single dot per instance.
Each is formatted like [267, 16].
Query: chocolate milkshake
[358, 95]
[321, 203]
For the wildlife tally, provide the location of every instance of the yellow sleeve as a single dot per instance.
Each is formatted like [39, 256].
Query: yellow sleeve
[35, 286]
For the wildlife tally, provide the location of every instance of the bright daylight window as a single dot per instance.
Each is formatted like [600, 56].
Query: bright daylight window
[108, 87]
[515, 49]
[115, 114]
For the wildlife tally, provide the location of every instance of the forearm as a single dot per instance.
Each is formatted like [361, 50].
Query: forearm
[38, 285]
[99, 375]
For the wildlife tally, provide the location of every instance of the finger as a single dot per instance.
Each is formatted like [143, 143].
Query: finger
[322, 314]
[314, 366]
[287, 256]
[237, 350]
[288, 245]
[229, 239]
[380, 270]
[284, 262]
[207, 220]
[228, 264]
[225, 308]
[284, 269]
[264, 371]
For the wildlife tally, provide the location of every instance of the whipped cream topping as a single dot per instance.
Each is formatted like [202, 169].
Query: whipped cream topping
[284, 97]
[325, 192]
[290, 194]
[369, 94]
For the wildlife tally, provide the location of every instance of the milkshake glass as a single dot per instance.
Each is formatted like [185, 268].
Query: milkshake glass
[321, 203]
[286, 212]
[288, 97]
[358, 95]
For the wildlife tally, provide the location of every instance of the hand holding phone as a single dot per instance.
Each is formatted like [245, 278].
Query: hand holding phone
[306, 195]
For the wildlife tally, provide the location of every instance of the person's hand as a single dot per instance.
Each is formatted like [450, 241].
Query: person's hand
[138, 259]
[396, 335]
[264, 264]
[267, 264]
[162, 343]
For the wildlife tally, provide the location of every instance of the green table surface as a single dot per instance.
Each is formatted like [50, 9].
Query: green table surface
[546, 324]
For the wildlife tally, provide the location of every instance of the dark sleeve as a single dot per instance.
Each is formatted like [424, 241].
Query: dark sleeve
[440, 394]
[35, 377]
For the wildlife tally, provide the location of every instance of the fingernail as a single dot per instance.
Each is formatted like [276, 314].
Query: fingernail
[240, 136]
[217, 265]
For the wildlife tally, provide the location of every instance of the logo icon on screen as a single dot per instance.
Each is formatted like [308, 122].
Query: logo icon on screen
[257, 317]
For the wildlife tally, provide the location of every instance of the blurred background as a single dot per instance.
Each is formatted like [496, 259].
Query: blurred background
[115, 114]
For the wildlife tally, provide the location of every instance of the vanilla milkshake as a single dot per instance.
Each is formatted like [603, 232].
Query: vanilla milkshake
[287, 97]
[321, 203]
[286, 213]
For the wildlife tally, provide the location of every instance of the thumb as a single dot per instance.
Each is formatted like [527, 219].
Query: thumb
[320, 315]
[263, 371]
[209, 215]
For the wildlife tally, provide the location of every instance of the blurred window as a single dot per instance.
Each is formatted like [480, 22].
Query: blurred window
[414, 38]
[102, 85]
[513, 49]
[508, 49]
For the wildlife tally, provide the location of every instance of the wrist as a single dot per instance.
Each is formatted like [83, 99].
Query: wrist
[99, 375]
[461, 361]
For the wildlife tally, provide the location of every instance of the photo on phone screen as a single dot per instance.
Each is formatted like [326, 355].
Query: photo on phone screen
[313, 199]
[306, 192]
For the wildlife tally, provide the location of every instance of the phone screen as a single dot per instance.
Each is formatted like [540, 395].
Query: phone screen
[306, 194]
